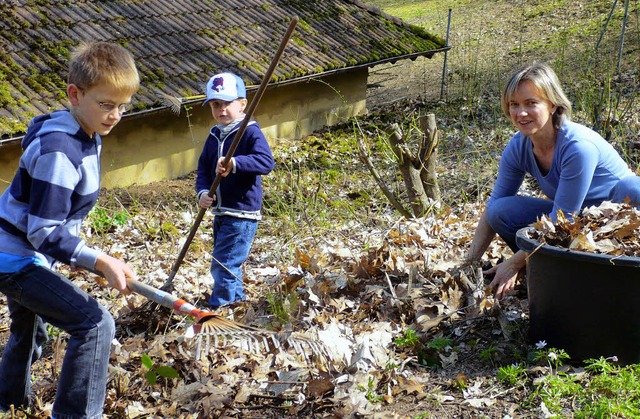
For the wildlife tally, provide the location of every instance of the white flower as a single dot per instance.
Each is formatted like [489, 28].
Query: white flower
[553, 356]
[541, 344]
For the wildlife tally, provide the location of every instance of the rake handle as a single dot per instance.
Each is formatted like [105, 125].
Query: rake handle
[163, 298]
[167, 300]
[232, 148]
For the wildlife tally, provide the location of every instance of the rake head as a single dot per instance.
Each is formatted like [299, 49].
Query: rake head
[211, 326]
[175, 103]
[217, 332]
[172, 102]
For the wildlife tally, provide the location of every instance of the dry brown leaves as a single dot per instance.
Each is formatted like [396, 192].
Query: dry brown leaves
[355, 292]
[609, 228]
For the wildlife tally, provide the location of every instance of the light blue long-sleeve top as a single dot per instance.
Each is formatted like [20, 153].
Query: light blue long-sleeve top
[585, 168]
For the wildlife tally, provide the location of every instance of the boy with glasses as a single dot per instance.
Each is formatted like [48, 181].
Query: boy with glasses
[41, 213]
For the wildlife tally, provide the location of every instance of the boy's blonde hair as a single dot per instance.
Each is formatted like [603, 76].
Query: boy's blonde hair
[94, 63]
[547, 83]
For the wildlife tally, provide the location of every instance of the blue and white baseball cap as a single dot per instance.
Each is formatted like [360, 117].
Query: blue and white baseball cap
[225, 86]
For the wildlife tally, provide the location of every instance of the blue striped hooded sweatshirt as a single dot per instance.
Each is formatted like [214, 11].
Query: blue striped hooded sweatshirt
[55, 187]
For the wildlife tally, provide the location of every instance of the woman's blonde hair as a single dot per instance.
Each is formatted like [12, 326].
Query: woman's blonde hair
[94, 63]
[547, 83]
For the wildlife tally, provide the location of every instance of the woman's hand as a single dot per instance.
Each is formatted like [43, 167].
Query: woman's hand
[115, 272]
[506, 273]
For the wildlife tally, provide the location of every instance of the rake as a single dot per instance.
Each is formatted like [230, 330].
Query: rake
[212, 328]
[234, 145]
[175, 103]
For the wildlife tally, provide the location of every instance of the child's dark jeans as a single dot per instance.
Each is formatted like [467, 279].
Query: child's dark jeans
[232, 238]
[36, 295]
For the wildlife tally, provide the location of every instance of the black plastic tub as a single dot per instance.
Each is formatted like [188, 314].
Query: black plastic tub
[585, 303]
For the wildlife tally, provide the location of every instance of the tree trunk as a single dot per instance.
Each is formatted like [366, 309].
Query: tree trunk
[429, 157]
[417, 167]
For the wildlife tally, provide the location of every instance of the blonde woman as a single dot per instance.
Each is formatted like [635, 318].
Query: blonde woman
[573, 165]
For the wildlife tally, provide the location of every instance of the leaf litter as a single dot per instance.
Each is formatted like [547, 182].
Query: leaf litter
[354, 301]
[354, 291]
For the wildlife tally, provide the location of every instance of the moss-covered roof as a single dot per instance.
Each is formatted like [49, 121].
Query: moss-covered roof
[179, 44]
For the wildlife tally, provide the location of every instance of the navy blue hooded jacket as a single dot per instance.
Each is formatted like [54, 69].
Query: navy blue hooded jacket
[240, 192]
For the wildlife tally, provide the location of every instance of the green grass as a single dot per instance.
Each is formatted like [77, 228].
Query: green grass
[485, 50]
[612, 392]
[284, 307]
[512, 375]
[409, 9]
[103, 221]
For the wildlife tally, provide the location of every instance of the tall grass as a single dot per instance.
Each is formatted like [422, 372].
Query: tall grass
[491, 38]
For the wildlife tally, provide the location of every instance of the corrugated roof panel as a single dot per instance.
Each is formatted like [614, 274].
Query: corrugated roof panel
[186, 41]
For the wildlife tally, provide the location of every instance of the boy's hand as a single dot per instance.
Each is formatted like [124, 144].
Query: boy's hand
[221, 170]
[206, 201]
[115, 272]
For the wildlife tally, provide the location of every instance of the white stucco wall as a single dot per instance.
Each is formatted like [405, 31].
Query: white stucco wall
[161, 145]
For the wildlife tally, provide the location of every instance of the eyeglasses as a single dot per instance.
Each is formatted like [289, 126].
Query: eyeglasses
[109, 107]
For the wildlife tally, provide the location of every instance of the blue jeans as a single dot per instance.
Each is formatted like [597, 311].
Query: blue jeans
[628, 187]
[509, 214]
[36, 295]
[232, 239]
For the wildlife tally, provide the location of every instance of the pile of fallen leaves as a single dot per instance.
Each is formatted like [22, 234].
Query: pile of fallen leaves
[344, 302]
[610, 228]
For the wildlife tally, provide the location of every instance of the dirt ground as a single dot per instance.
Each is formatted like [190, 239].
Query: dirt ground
[415, 390]
[443, 392]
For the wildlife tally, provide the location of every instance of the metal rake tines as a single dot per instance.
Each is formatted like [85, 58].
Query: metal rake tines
[175, 103]
[219, 332]
[216, 324]
[247, 341]
[172, 102]
[299, 344]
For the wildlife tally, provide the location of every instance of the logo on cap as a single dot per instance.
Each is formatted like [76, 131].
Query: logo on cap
[218, 84]
[225, 86]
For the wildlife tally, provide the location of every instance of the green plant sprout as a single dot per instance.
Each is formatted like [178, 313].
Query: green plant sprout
[103, 222]
[514, 374]
[371, 394]
[601, 365]
[440, 344]
[489, 354]
[408, 339]
[282, 306]
[157, 371]
[555, 358]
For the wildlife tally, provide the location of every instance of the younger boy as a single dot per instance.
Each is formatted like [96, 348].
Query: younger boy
[238, 199]
[54, 189]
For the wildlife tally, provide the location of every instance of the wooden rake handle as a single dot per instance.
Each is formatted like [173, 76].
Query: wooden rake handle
[232, 149]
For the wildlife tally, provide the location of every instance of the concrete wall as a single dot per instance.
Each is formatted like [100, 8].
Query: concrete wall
[9, 157]
[160, 145]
